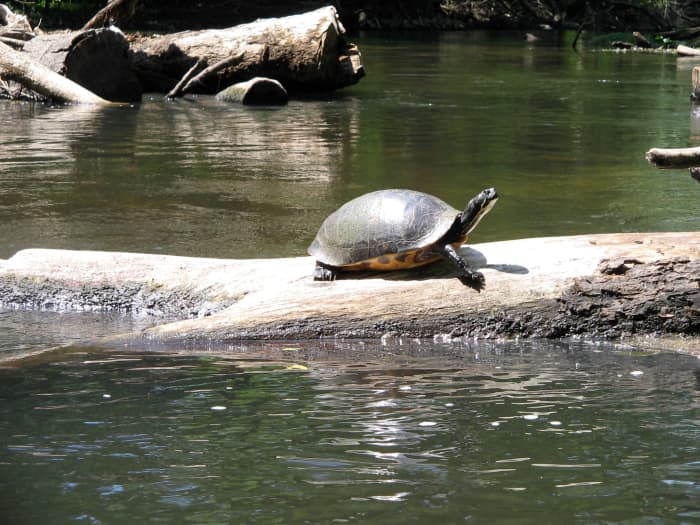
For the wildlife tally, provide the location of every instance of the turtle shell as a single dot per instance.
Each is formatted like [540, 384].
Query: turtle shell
[386, 229]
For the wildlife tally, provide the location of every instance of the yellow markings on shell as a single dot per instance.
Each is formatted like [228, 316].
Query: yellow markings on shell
[400, 261]
[394, 261]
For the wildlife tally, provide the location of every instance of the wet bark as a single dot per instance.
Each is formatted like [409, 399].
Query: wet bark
[598, 285]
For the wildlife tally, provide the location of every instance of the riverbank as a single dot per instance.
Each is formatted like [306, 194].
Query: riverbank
[359, 14]
[609, 286]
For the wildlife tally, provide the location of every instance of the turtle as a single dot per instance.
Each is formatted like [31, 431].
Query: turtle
[395, 229]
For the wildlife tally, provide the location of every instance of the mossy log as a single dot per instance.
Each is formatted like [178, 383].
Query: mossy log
[593, 285]
[306, 52]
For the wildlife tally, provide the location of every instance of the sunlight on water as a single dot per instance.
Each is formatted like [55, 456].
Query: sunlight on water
[386, 434]
[394, 432]
[561, 135]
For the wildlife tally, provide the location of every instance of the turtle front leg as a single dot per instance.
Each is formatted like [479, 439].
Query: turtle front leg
[322, 273]
[472, 278]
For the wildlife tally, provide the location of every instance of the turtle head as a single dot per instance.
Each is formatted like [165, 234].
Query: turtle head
[477, 208]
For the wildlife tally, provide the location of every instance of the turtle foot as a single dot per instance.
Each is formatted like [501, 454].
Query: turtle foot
[323, 274]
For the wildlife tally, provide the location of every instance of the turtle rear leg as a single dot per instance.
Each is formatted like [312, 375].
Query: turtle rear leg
[470, 277]
[323, 273]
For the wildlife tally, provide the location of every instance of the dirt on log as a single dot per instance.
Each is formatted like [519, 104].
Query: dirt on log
[593, 285]
[306, 52]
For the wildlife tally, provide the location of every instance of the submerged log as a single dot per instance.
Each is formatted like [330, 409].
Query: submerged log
[596, 285]
[256, 91]
[96, 59]
[306, 52]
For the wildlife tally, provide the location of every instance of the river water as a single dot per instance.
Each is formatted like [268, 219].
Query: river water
[402, 431]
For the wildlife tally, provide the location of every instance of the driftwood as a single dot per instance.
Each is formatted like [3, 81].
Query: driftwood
[595, 285]
[198, 73]
[686, 51]
[674, 158]
[18, 67]
[256, 91]
[115, 13]
[695, 82]
[306, 52]
[640, 40]
[96, 59]
[14, 27]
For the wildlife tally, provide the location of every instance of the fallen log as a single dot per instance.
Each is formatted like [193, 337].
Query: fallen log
[115, 13]
[687, 51]
[13, 26]
[96, 59]
[18, 67]
[674, 158]
[306, 52]
[198, 72]
[594, 285]
[12, 42]
[695, 84]
[256, 91]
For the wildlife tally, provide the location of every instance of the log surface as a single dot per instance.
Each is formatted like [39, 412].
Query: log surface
[595, 285]
[34, 75]
[96, 59]
[674, 158]
[305, 52]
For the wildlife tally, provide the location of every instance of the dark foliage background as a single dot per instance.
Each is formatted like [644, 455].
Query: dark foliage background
[170, 15]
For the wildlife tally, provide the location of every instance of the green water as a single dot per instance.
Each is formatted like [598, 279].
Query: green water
[351, 432]
[562, 136]
[358, 433]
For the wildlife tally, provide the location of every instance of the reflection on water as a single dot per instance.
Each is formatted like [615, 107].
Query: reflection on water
[300, 433]
[187, 177]
[561, 135]
[24, 332]
[555, 433]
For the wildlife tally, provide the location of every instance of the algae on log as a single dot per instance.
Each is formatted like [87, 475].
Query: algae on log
[596, 285]
[305, 52]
